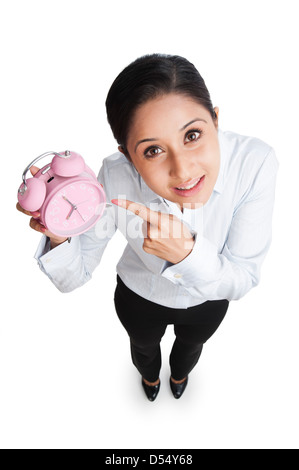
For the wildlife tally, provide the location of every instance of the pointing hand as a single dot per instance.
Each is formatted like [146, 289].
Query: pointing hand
[167, 237]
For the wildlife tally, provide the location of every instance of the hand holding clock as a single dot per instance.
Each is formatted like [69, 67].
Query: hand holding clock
[53, 196]
[35, 223]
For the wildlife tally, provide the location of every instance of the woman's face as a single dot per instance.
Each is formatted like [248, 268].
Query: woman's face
[173, 144]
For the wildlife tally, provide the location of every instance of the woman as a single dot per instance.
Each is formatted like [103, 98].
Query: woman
[195, 205]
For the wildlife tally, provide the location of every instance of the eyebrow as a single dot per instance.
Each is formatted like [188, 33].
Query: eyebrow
[191, 122]
[156, 138]
[145, 140]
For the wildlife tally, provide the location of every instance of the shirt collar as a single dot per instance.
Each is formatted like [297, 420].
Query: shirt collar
[223, 145]
[150, 196]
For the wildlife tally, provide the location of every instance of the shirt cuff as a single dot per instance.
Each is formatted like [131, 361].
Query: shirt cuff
[49, 260]
[201, 265]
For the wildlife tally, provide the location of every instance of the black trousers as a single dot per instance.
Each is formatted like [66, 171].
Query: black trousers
[147, 321]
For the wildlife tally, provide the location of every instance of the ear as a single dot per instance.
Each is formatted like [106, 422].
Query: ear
[124, 152]
[216, 110]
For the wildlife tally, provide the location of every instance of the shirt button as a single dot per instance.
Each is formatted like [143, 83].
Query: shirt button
[48, 260]
[177, 276]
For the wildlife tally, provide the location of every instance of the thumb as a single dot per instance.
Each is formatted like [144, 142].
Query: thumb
[34, 170]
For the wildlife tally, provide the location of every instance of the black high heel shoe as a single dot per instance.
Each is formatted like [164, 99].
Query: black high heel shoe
[151, 391]
[178, 389]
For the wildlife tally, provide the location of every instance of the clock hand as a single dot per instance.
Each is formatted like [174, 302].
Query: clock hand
[78, 203]
[67, 200]
[70, 213]
[79, 213]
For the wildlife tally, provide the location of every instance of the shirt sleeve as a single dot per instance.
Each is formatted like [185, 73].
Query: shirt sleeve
[70, 265]
[232, 273]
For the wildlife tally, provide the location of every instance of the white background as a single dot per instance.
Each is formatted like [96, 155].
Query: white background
[65, 369]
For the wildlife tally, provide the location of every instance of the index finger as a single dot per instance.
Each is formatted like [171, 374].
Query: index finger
[142, 211]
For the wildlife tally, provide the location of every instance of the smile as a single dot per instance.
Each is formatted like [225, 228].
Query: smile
[190, 188]
[191, 185]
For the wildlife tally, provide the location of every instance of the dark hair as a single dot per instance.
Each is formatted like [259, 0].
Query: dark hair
[146, 78]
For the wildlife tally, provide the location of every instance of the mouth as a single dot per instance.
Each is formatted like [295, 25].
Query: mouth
[189, 188]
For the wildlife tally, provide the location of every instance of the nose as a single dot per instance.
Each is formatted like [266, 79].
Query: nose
[179, 167]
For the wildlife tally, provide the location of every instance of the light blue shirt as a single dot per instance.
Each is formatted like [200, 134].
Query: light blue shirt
[232, 231]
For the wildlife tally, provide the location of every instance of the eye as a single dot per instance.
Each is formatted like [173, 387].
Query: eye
[152, 152]
[193, 135]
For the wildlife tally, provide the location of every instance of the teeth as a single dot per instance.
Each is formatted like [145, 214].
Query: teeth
[191, 186]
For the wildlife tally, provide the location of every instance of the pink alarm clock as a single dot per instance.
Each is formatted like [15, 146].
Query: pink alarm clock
[65, 192]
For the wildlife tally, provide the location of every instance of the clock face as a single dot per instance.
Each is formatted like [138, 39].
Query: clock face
[74, 208]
